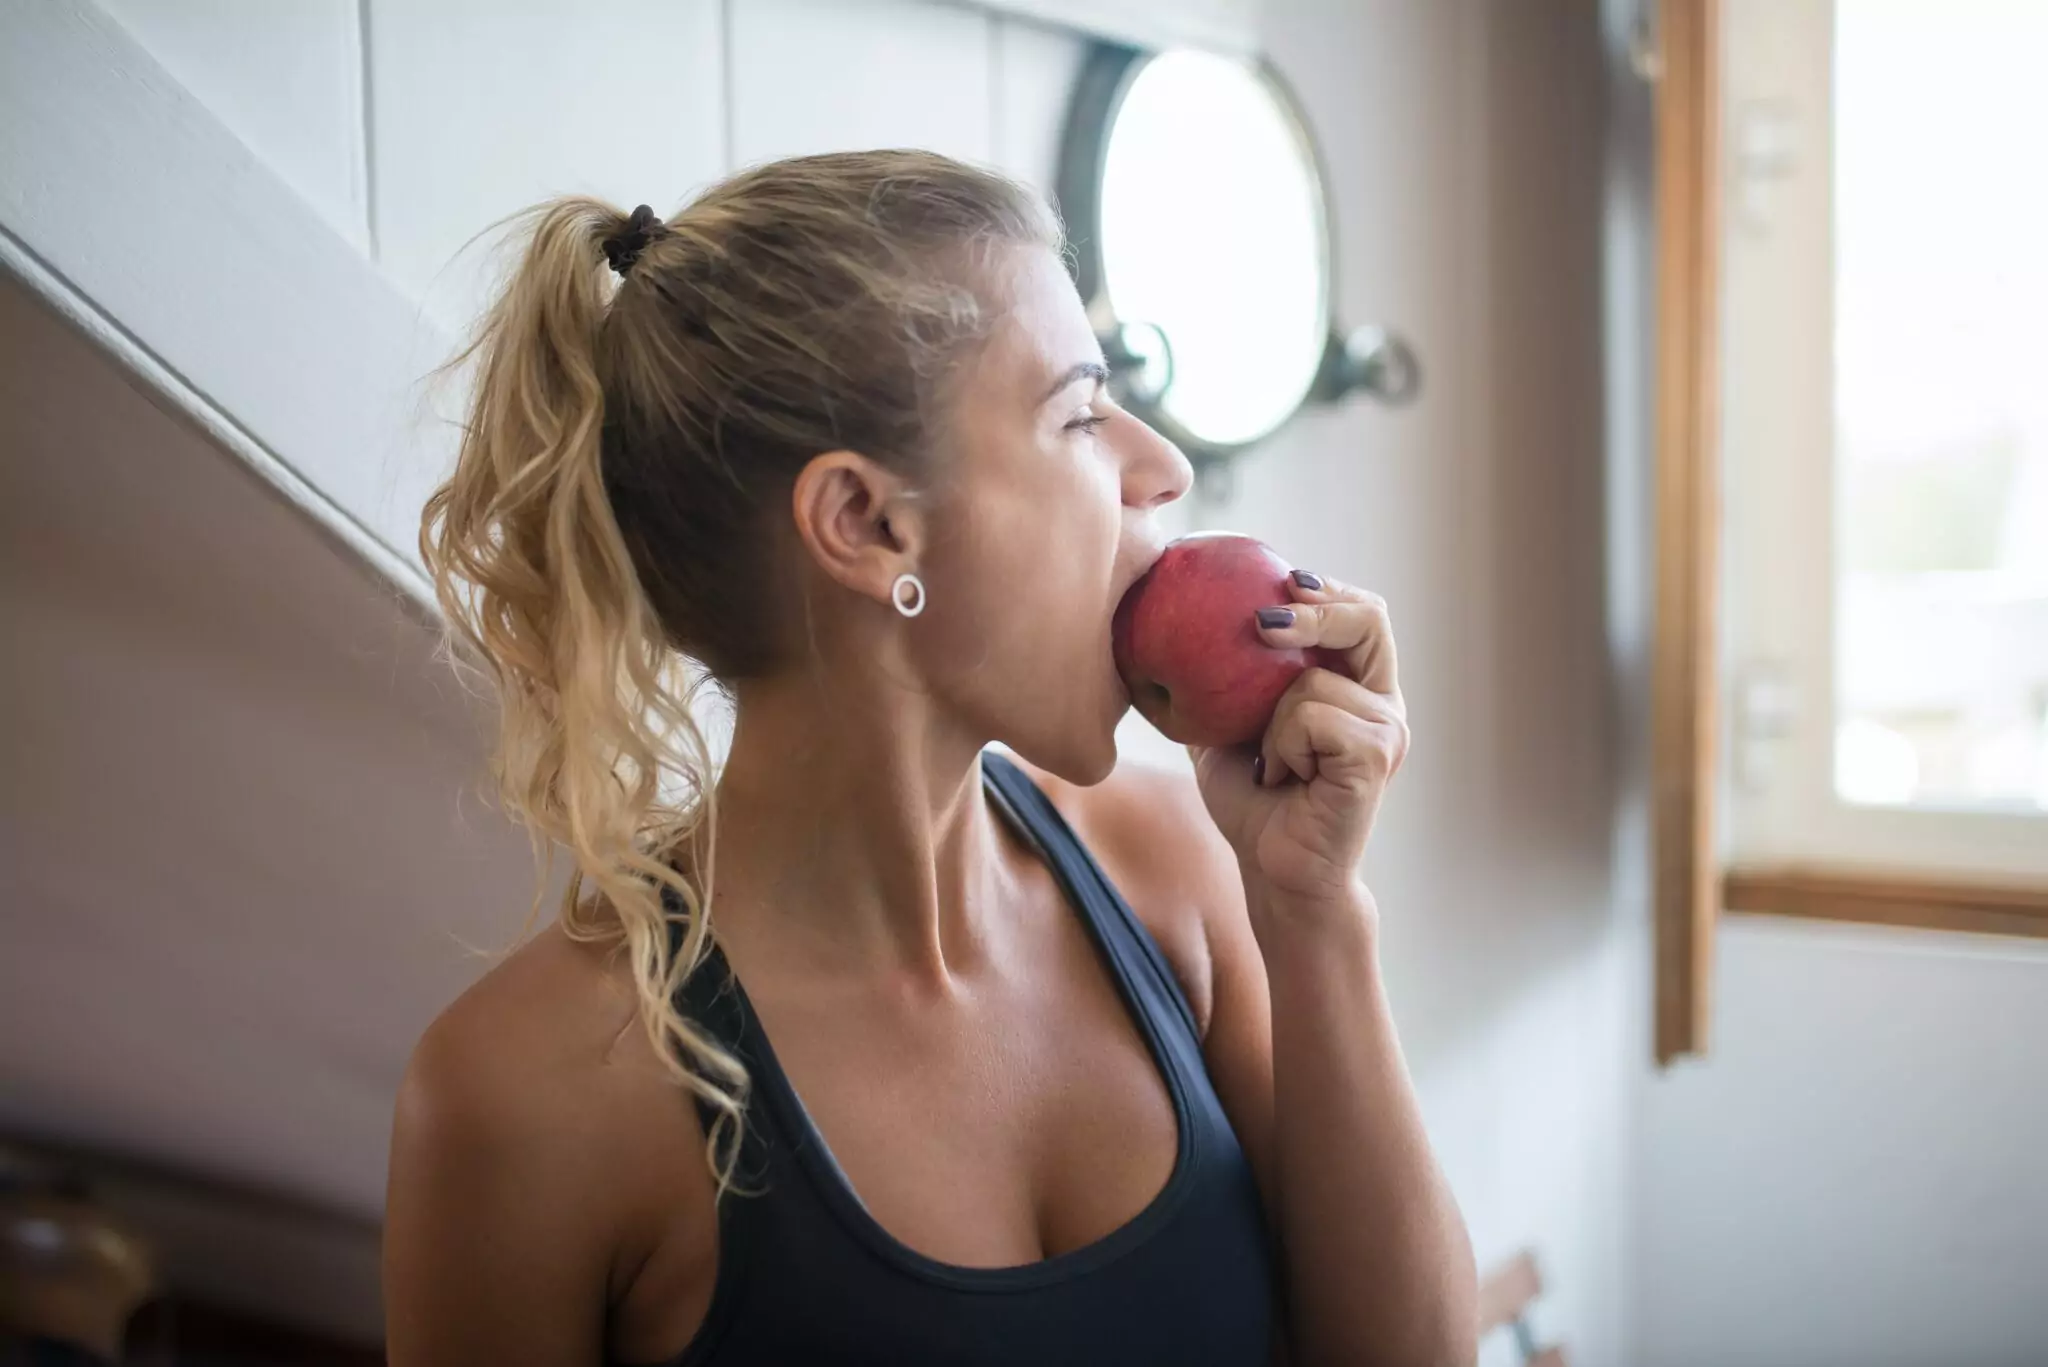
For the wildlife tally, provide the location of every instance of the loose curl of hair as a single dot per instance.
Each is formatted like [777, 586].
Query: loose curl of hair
[611, 521]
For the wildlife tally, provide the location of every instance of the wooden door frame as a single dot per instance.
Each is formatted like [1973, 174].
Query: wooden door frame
[1685, 664]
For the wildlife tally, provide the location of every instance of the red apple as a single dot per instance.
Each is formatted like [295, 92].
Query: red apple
[1187, 647]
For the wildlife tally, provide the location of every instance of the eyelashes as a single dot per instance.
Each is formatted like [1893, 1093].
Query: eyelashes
[1088, 422]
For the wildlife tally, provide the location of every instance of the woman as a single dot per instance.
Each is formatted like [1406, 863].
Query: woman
[840, 433]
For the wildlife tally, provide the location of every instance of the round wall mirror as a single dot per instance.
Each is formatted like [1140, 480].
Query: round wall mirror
[1194, 199]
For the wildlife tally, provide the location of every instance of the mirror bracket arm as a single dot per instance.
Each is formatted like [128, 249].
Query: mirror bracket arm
[1368, 360]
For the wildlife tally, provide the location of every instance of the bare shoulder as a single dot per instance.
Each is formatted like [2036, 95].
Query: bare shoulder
[1148, 828]
[543, 1020]
[545, 1057]
[534, 1153]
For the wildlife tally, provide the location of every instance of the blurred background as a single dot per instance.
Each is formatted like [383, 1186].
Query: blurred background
[247, 860]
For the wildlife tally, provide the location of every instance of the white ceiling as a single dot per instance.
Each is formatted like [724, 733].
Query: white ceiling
[243, 842]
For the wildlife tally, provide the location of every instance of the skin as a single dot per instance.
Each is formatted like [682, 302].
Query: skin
[548, 1203]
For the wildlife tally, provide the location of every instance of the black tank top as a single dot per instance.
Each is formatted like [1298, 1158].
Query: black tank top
[807, 1276]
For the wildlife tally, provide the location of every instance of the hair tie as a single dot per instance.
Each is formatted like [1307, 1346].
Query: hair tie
[623, 247]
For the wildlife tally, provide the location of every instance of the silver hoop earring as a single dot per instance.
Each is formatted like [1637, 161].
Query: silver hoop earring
[916, 587]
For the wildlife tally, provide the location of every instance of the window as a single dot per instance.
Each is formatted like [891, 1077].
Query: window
[1850, 674]
[1884, 405]
[1941, 403]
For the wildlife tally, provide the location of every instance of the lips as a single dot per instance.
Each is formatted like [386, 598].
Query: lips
[1121, 587]
[1152, 553]
[1116, 599]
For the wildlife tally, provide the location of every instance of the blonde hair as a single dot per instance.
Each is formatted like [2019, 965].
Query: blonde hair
[612, 513]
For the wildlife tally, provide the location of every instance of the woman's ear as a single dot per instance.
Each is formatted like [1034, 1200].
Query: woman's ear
[859, 521]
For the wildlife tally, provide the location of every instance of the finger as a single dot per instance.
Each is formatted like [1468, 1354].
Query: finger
[1316, 740]
[1355, 626]
[1340, 690]
[1314, 588]
[1331, 690]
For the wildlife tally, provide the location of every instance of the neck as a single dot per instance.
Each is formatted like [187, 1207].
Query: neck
[853, 848]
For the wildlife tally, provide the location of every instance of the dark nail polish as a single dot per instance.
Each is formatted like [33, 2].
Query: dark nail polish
[1311, 582]
[1272, 619]
[1259, 770]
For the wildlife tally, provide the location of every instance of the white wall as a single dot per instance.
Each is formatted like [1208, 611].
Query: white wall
[413, 129]
[1464, 142]
[1859, 1172]
[287, 78]
[481, 109]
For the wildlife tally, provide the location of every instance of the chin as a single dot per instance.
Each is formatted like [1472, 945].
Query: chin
[1082, 756]
[1099, 766]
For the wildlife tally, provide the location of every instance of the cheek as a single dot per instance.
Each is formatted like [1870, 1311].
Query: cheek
[1026, 579]
[1054, 543]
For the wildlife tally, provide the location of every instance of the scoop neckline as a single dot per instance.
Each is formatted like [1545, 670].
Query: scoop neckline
[814, 1153]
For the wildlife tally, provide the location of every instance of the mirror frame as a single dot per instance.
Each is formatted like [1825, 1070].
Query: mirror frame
[1369, 359]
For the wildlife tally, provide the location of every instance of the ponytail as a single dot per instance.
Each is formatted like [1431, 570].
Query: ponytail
[538, 585]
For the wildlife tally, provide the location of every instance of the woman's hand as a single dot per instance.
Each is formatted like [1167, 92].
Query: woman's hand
[1299, 809]
[1378, 1264]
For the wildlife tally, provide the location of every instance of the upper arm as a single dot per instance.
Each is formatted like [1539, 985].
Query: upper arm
[493, 1250]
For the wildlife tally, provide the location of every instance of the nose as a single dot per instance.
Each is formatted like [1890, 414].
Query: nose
[1155, 471]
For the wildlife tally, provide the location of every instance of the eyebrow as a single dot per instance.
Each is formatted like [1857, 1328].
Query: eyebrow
[1086, 370]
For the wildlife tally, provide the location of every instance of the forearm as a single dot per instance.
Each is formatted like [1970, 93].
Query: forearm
[1379, 1266]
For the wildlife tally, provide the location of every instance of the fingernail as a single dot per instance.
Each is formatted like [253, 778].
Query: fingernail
[1259, 770]
[1308, 581]
[1273, 619]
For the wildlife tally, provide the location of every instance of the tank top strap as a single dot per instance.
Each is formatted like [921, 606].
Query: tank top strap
[1135, 955]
